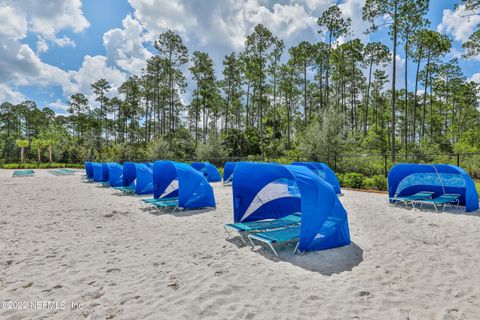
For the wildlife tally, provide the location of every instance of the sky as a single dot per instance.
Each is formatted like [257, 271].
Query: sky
[52, 49]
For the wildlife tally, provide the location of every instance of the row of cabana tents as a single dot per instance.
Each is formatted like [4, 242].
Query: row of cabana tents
[254, 184]
[184, 185]
[275, 204]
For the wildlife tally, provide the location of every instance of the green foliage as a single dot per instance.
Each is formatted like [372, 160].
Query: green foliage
[323, 137]
[159, 149]
[353, 180]
[22, 143]
[41, 165]
[214, 148]
[379, 182]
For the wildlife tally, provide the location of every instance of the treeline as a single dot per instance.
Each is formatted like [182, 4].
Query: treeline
[316, 99]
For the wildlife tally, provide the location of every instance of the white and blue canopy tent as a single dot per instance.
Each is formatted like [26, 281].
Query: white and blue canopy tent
[407, 179]
[271, 191]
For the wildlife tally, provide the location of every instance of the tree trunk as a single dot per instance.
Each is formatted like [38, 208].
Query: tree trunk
[365, 125]
[415, 102]
[425, 96]
[327, 71]
[394, 84]
[305, 90]
[406, 97]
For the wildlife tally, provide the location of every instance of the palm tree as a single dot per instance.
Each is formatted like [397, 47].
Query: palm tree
[38, 144]
[22, 144]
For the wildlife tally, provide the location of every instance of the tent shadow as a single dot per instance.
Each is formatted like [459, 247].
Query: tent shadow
[175, 212]
[325, 262]
[453, 211]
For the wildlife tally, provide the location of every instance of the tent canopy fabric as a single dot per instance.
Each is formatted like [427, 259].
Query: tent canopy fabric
[115, 174]
[209, 171]
[276, 191]
[144, 179]
[228, 169]
[89, 170]
[97, 172]
[104, 172]
[406, 179]
[129, 174]
[179, 179]
[324, 172]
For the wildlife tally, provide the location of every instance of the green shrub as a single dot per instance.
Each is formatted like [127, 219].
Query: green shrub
[379, 182]
[341, 179]
[354, 180]
[41, 165]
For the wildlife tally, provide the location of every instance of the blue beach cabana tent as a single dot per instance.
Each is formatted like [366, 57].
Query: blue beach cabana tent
[144, 179]
[209, 171]
[97, 172]
[276, 191]
[104, 172]
[324, 172]
[407, 179]
[228, 169]
[89, 170]
[129, 174]
[172, 179]
[115, 174]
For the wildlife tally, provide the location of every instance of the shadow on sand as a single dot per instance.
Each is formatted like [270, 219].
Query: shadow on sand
[175, 212]
[326, 262]
[448, 210]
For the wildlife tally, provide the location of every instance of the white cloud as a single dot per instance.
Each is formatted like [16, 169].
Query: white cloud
[222, 26]
[14, 24]
[59, 107]
[10, 95]
[475, 78]
[353, 9]
[64, 42]
[49, 17]
[458, 24]
[42, 45]
[92, 69]
[125, 47]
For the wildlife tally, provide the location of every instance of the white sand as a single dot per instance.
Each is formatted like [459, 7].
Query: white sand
[67, 241]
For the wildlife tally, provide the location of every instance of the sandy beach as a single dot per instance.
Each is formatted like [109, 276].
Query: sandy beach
[98, 255]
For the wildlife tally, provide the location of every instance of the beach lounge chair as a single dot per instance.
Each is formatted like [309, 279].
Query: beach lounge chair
[262, 225]
[410, 199]
[161, 203]
[441, 201]
[292, 234]
[23, 173]
[229, 181]
[129, 189]
[279, 236]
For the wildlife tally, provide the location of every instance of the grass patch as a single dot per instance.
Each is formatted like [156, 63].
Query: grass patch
[41, 165]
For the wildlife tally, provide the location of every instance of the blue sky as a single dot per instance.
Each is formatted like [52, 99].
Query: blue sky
[54, 48]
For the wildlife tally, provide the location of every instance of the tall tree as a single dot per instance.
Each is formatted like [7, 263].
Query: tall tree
[100, 89]
[375, 53]
[175, 54]
[336, 26]
[302, 56]
[258, 46]
[391, 13]
[207, 86]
